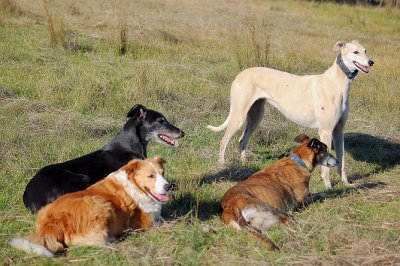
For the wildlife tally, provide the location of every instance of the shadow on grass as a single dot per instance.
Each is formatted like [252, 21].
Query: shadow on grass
[275, 156]
[184, 203]
[352, 2]
[383, 154]
[233, 173]
[346, 191]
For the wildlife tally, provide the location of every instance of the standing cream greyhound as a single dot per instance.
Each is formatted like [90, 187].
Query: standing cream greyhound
[316, 101]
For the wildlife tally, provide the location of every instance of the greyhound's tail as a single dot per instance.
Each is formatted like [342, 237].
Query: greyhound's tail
[42, 245]
[223, 126]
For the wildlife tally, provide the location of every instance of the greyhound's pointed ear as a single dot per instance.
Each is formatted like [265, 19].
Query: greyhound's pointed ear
[136, 111]
[339, 46]
[301, 138]
[355, 41]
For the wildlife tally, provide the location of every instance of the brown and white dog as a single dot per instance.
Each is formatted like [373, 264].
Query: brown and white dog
[262, 200]
[130, 197]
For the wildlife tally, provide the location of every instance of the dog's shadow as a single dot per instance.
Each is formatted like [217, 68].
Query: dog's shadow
[204, 209]
[380, 153]
[185, 203]
[232, 173]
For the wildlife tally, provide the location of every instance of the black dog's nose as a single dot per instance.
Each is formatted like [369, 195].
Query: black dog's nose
[168, 186]
[182, 134]
[370, 62]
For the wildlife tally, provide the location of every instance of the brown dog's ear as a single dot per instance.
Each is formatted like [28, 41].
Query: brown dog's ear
[159, 160]
[132, 166]
[315, 143]
[301, 138]
[339, 46]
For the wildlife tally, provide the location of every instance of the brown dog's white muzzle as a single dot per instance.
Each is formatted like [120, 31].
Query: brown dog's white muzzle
[329, 160]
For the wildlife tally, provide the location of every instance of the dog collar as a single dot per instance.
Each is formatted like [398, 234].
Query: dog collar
[343, 67]
[298, 160]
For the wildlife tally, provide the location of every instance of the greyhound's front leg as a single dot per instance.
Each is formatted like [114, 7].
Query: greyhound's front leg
[326, 137]
[338, 143]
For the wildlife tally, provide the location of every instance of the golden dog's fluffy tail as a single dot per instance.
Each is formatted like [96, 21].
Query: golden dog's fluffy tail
[42, 245]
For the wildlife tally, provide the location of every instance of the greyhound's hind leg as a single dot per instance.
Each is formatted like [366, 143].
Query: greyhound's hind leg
[254, 117]
[235, 123]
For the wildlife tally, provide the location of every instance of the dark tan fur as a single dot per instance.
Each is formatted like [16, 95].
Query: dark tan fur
[273, 190]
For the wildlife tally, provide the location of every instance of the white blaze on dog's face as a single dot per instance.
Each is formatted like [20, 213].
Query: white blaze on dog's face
[354, 56]
[149, 178]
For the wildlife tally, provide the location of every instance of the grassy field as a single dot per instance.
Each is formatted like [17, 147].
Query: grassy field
[70, 71]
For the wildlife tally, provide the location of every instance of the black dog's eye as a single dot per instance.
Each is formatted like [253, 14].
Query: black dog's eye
[160, 120]
[151, 176]
[355, 52]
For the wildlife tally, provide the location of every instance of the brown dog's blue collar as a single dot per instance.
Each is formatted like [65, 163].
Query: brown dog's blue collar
[298, 160]
[343, 67]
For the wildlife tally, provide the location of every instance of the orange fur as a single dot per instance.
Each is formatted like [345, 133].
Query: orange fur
[104, 210]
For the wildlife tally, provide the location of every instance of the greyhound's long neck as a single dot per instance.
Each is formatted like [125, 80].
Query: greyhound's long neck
[129, 140]
[335, 74]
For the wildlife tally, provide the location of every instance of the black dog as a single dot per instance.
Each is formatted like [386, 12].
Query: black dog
[131, 142]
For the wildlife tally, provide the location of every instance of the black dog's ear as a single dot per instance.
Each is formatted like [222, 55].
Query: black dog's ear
[301, 138]
[136, 111]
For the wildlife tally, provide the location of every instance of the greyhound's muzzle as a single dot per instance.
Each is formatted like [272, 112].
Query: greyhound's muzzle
[370, 63]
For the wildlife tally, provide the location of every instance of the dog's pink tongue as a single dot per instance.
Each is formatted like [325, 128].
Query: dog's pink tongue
[162, 197]
[365, 68]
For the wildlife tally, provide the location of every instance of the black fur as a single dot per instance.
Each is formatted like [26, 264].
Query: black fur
[130, 143]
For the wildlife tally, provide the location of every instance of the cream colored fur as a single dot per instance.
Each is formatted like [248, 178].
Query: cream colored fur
[316, 101]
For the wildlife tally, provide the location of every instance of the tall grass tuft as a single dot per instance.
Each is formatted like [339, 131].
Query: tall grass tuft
[50, 24]
[56, 28]
[252, 44]
[390, 4]
[59, 35]
[122, 33]
[10, 7]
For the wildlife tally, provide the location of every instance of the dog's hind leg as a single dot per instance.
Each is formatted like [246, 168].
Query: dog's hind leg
[254, 117]
[257, 217]
[233, 216]
[268, 243]
[237, 118]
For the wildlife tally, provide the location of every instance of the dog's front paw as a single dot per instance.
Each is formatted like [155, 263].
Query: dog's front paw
[316, 197]
[347, 184]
